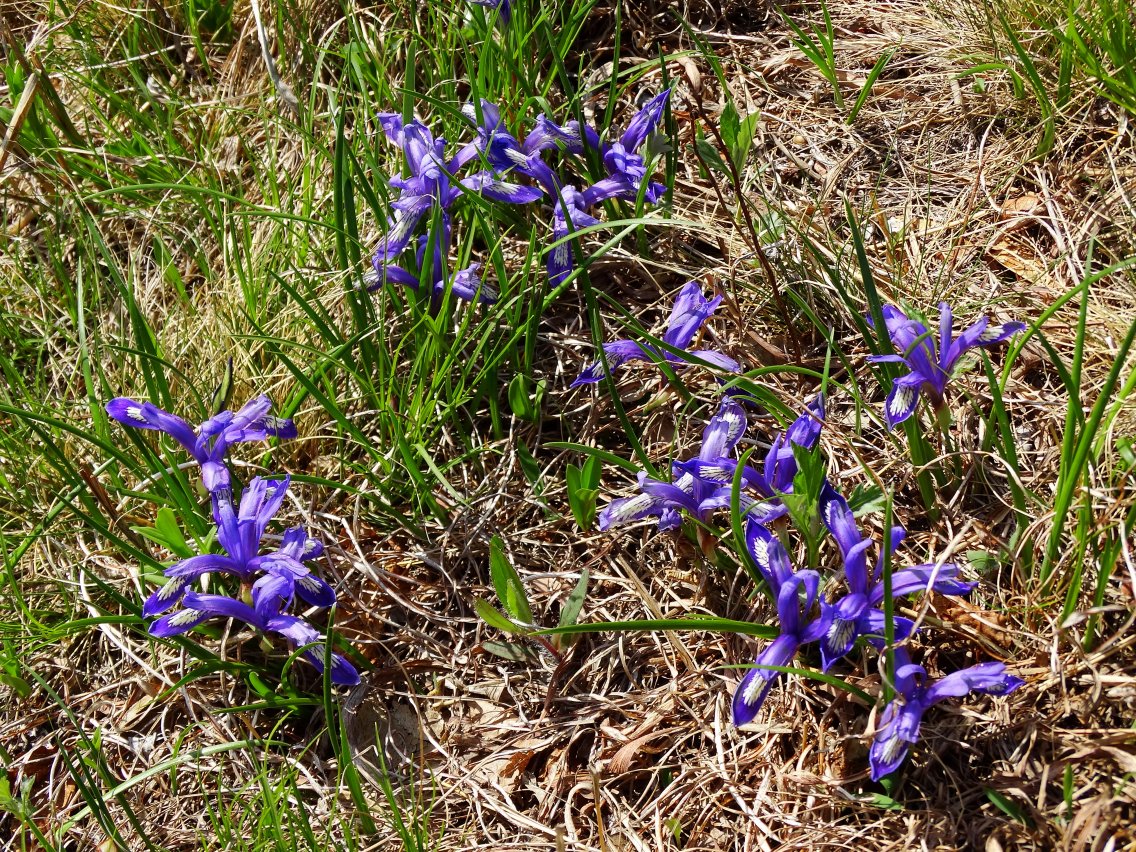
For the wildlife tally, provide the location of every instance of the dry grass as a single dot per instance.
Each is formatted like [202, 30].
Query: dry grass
[628, 745]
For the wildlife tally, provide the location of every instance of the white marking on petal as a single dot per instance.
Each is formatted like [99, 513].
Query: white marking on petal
[991, 332]
[685, 483]
[840, 633]
[310, 583]
[399, 230]
[632, 507]
[892, 748]
[734, 425]
[134, 412]
[518, 157]
[715, 472]
[753, 689]
[310, 545]
[761, 552]
[184, 616]
[171, 589]
[901, 401]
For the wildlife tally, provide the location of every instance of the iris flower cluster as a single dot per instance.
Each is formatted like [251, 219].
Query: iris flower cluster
[835, 610]
[428, 193]
[840, 619]
[807, 616]
[270, 581]
[704, 483]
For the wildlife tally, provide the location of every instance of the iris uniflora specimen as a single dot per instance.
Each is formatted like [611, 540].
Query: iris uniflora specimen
[428, 193]
[513, 172]
[834, 610]
[898, 727]
[208, 443]
[691, 309]
[931, 363]
[703, 484]
[269, 582]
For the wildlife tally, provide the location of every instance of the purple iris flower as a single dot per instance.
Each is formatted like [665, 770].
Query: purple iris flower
[899, 724]
[240, 533]
[465, 283]
[572, 206]
[626, 169]
[666, 500]
[691, 309]
[777, 474]
[625, 166]
[780, 468]
[931, 365]
[268, 595]
[430, 186]
[857, 613]
[208, 443]
[506, 154]
[503, 7]
[793, 610]
[622, 158]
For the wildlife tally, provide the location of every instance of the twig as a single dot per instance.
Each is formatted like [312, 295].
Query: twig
[755, 241]
[283, 90]
[767, 268]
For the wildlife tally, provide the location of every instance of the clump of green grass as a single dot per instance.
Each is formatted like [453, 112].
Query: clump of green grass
[1062, 57]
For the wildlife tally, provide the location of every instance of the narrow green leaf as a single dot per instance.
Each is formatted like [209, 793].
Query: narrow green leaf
[710, 623]
[741, 148]
[166, 523]
[520, 402]
[582, 502]
[710, 154]
[224, 390]
[1007, 806]
[603, 455]
[591, 470]
[572, 476]
[730, 124]
[17, 684]
[866, 90]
